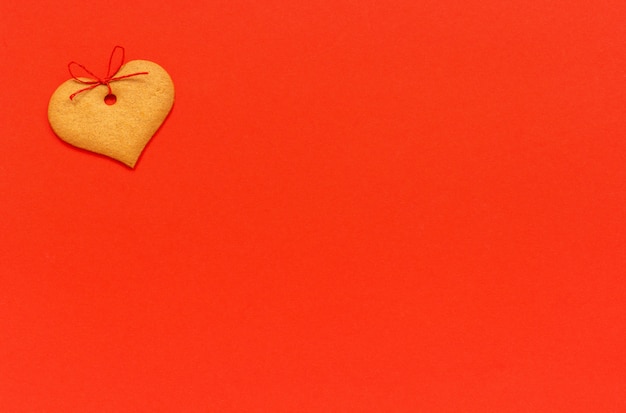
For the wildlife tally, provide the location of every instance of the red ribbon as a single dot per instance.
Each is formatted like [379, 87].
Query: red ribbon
[95, 81]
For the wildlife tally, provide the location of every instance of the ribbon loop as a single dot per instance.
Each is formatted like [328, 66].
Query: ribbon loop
[94, 81]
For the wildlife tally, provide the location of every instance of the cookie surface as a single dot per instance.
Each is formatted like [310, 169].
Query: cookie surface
[121, 130]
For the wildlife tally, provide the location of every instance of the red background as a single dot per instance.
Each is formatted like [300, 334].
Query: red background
[359, 206]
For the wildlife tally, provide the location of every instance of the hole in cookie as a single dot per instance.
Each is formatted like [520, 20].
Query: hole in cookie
[110, 99]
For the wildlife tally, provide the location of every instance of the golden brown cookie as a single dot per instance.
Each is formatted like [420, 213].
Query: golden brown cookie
[121, 130]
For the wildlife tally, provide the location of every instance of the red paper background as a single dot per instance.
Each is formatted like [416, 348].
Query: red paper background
[354, 206]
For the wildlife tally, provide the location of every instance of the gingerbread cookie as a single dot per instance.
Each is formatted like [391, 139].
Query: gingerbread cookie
[114, 116]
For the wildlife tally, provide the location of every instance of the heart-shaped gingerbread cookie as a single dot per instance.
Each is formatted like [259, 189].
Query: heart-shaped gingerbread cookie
[120, 130]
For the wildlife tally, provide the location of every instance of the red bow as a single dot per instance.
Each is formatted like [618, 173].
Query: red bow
[95, 80]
